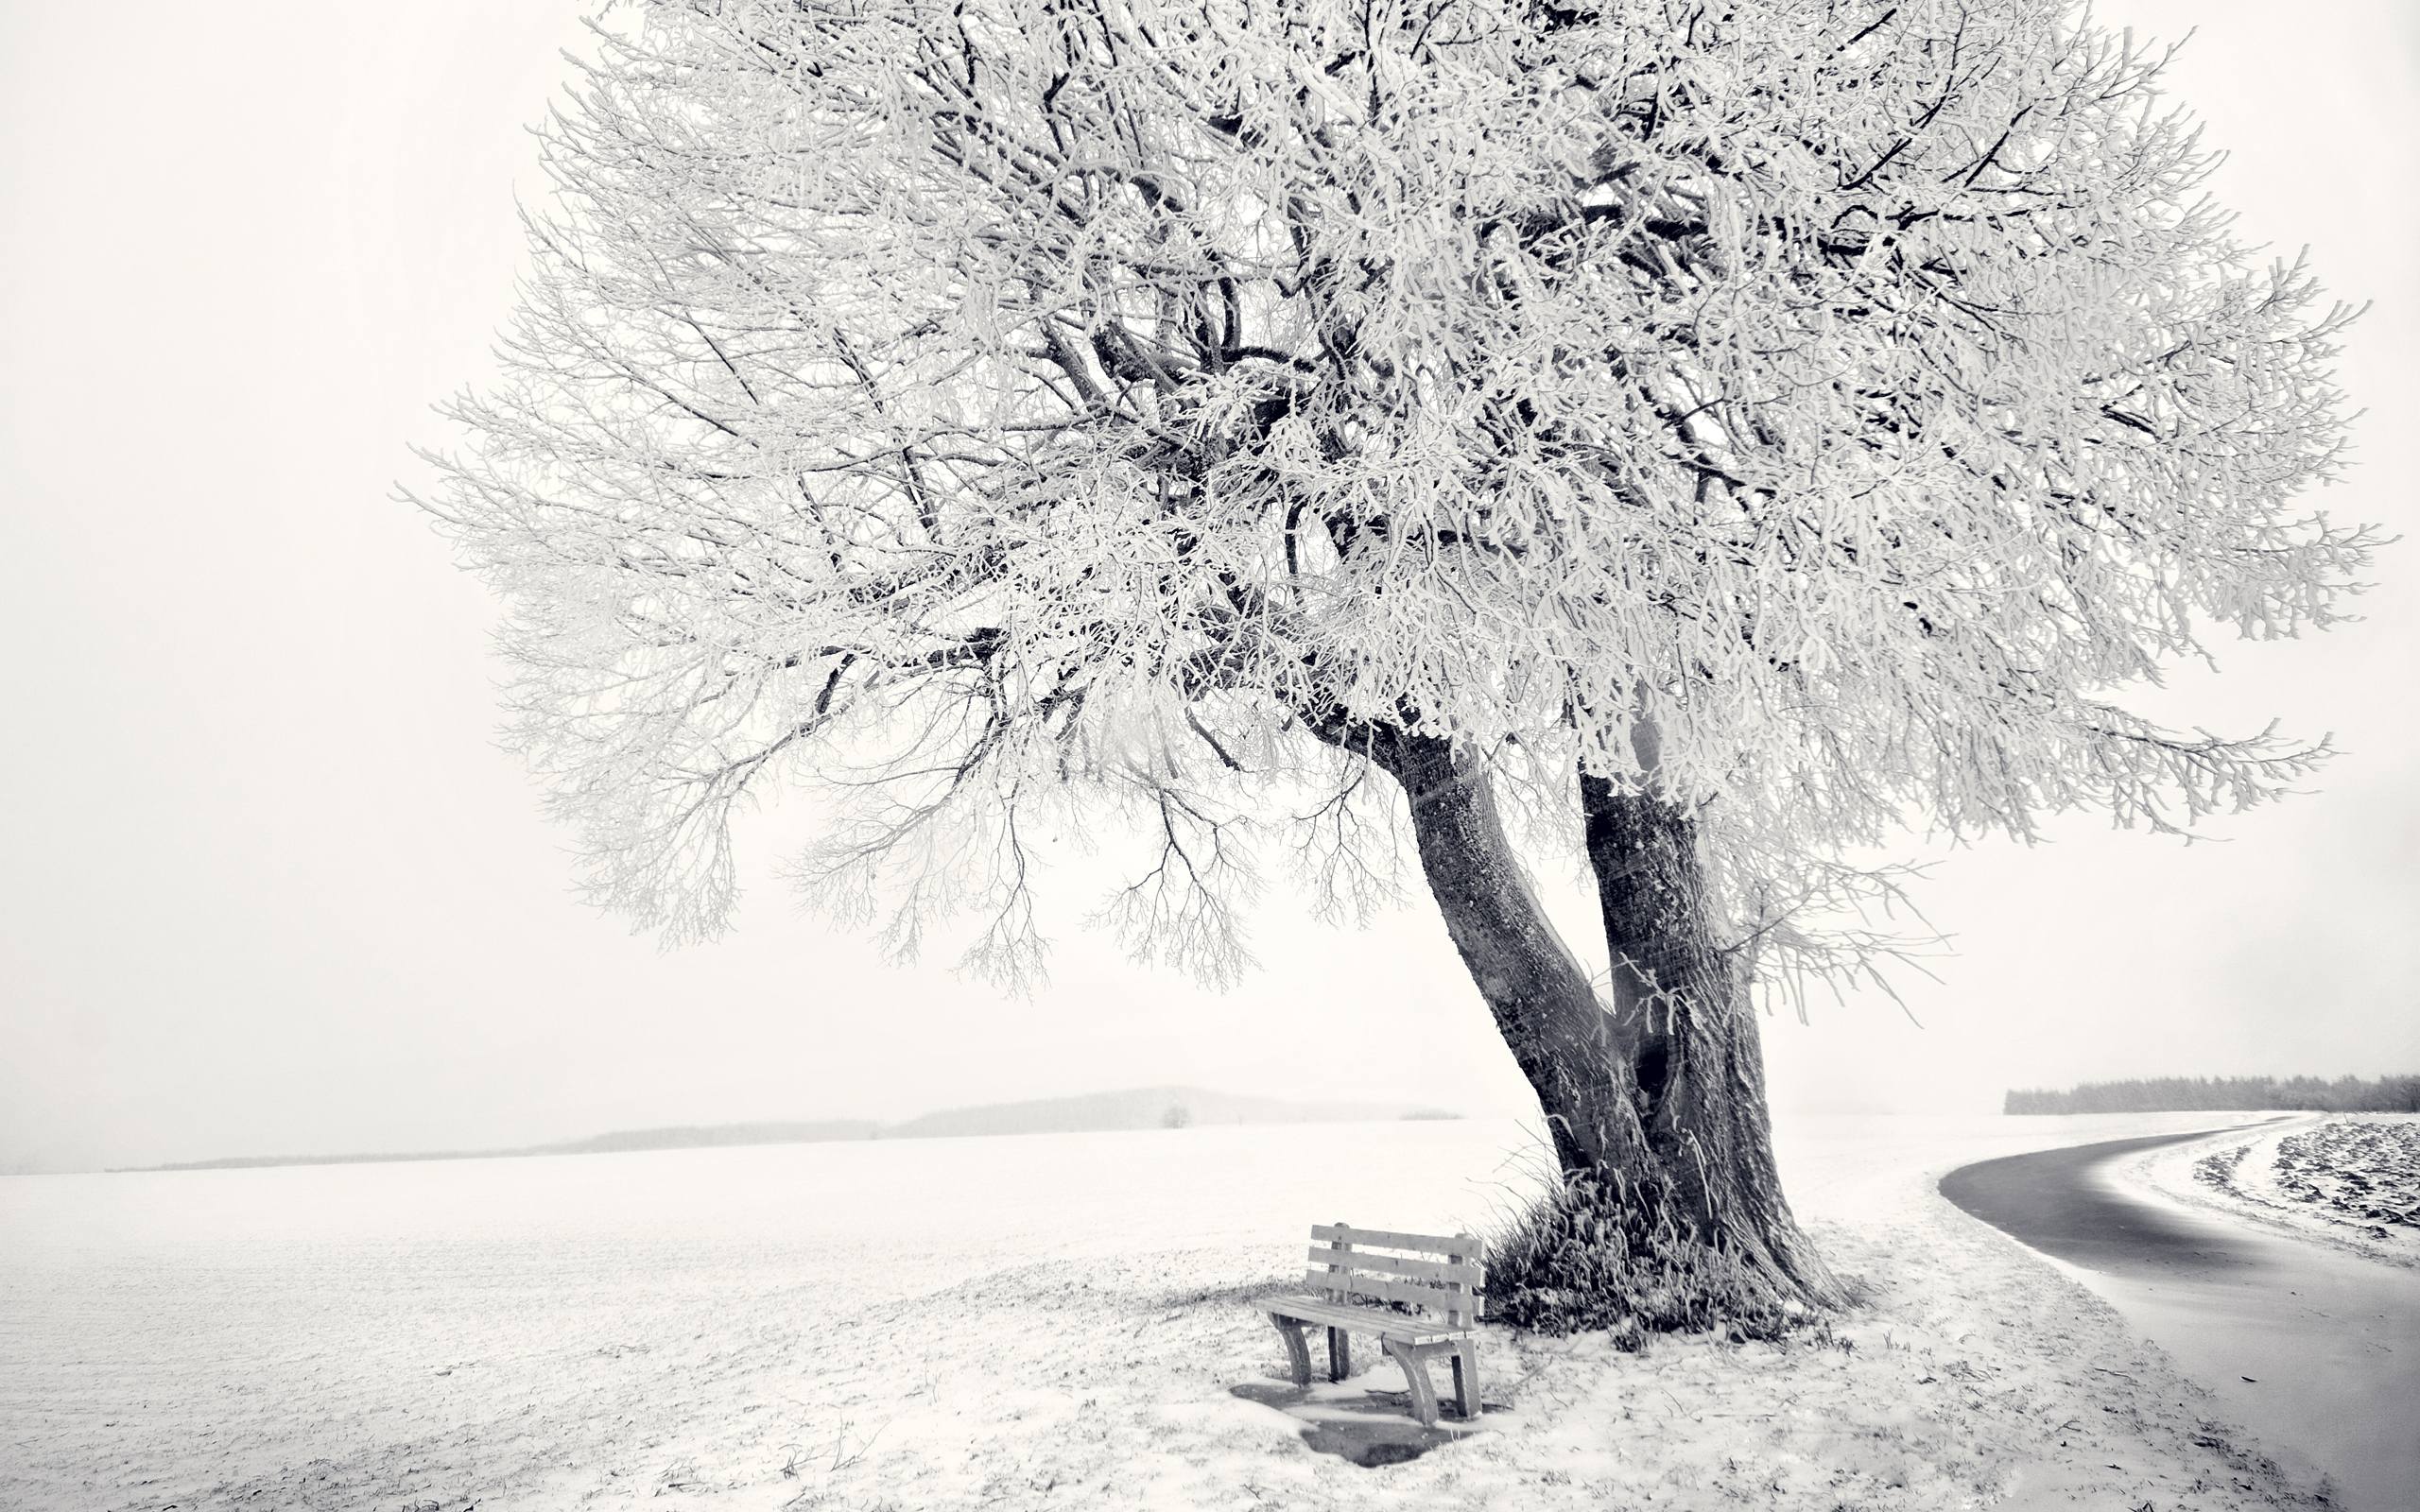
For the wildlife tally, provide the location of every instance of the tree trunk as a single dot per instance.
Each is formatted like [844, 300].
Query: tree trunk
[1685, 1029]
[1653, 1092]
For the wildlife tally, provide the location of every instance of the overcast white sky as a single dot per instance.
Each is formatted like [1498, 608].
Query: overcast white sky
[267, 885]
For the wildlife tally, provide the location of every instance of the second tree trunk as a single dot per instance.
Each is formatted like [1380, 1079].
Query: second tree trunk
[1652, 1088]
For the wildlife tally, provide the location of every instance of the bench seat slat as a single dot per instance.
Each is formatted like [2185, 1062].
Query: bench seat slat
[1367, 1319]
[1423, 1270]
[1436, 1299]
[1428, 1244]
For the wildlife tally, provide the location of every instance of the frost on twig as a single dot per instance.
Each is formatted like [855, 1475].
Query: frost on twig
[1009, 416]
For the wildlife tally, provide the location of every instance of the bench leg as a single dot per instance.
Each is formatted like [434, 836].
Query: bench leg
[1466, 1379]
[1340, 1354]
[1297, 1352]
[1415, 1374]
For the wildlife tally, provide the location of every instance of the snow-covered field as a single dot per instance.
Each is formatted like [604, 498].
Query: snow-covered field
[1046, 1321]
[2347, 1180]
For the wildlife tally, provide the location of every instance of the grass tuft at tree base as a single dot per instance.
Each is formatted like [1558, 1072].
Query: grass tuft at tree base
[1586, 1260]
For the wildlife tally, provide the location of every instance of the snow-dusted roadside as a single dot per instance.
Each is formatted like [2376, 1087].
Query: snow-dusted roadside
[1054, 1321]
[2261, 1175]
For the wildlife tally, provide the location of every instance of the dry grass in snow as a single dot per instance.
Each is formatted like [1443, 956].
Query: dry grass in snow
[1055, 1321]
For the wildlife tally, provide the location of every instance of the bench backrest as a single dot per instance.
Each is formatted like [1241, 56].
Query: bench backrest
[1438, 1272]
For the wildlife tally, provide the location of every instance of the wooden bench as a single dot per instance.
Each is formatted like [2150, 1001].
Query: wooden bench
[1435, 1277]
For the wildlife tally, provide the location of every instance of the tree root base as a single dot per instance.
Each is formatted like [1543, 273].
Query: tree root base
[1584, 1261]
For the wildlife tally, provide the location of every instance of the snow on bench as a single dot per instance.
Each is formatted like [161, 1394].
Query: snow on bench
[1417, 1305]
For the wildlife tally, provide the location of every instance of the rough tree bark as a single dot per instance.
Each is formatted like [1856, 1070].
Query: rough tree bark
[1654, 1090]
[1684, 1032]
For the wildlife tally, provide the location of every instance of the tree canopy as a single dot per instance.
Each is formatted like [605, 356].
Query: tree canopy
[1815, 411]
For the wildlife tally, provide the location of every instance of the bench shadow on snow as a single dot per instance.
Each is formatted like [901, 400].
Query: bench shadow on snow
[1368, 1426]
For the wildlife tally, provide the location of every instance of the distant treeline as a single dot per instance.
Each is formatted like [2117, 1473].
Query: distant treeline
[2194, 1094]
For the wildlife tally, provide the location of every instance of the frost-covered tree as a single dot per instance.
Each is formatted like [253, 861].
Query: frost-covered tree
[1702, 438]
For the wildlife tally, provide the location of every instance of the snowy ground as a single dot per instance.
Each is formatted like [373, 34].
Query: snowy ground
[1049, 1321]
[2347, 1180]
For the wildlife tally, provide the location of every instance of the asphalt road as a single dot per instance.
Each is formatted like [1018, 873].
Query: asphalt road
[2315, 1350]
[2051, 1200]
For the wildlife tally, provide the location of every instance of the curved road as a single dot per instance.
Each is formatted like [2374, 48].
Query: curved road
[2315, 1350]
[2052, 1201]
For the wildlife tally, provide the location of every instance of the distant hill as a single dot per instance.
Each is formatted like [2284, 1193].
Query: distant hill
[677, 1136]
[704, 1136]
[248, 1162]
[1141, 1108]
